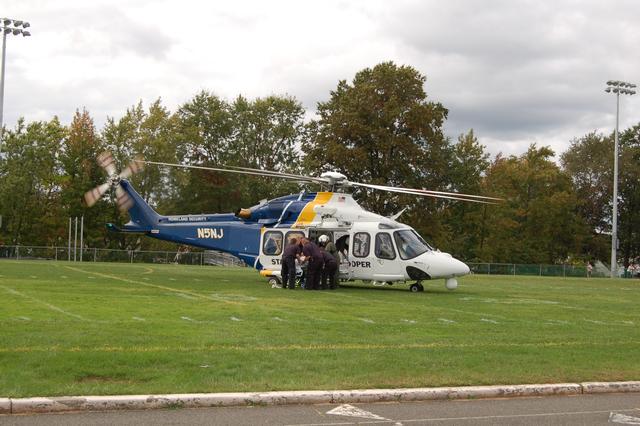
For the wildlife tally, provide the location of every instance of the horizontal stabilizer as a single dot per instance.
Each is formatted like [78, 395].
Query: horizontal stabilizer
[127, 228]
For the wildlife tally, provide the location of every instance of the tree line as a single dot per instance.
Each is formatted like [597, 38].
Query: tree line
[379, 128]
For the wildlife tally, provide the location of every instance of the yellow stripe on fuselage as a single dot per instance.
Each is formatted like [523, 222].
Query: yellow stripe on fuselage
[307, 214]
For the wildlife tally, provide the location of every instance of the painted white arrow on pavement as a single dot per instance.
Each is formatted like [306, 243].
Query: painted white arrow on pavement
[351, 411]
[623, 419]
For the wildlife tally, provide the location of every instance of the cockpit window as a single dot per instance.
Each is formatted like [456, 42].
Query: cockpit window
[410, 244]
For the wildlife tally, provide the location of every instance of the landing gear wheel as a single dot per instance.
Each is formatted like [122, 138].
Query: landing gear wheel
[274, 282]
[414, 288]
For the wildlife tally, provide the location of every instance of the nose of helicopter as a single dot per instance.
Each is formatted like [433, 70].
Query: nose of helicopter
[443, 265]
[459, 268]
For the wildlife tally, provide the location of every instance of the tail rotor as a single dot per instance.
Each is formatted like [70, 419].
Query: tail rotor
[123, 200]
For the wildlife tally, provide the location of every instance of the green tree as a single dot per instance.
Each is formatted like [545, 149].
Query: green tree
[80, 173]
[265, 134]
[204, 129]
[30, 184]
[629, 195]
[150, 135]
[262, 133]
[589, 162]
[539, 221]
[465, 219]
[382, 129]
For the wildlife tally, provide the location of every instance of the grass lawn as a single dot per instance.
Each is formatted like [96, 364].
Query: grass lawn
[102, 328]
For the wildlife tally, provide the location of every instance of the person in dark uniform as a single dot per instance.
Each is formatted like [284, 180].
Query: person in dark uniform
[312, 253]
[329, 270]
[288, 271]
[329, 247]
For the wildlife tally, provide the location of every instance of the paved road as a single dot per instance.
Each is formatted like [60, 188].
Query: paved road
[563, 410]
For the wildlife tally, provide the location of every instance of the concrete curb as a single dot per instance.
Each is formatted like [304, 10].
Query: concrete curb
[141, 402]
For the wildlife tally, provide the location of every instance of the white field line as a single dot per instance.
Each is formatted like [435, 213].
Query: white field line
[42, 302]
[126, 280]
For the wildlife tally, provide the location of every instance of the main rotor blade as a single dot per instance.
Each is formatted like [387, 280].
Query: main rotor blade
[252, 172]
[134, 167]
[105, 160]
[415, 192]
[280, 174]
[429, 192]
[92, 197]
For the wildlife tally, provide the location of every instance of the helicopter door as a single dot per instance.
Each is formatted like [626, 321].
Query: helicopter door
[271, 249]
[387, 267]
[360, 259]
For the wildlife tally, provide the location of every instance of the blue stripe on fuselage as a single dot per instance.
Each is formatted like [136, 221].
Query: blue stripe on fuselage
[221, 232]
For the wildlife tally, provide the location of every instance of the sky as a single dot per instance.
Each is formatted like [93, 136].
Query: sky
[517, 72]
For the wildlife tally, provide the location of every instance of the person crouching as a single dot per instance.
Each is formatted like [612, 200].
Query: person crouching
[329, 270]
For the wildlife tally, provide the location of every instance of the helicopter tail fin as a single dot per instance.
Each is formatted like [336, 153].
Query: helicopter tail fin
[143, 217]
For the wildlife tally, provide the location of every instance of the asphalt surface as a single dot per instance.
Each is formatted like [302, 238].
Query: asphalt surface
[558, 410]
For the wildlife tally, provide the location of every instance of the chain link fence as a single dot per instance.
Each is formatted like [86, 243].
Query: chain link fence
[207, 257]
[535, 270]
[215, 258]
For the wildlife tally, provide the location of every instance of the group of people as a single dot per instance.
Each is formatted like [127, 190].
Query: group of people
[321, 261]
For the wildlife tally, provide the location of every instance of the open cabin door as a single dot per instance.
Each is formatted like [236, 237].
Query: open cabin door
[272, 242]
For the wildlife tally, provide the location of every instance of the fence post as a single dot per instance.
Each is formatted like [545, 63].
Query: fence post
[18, 252]
[56, 250]
[564, 273]
[95, 254]
[540, 269]
[488, 269]
[131, 258]
[514, 269]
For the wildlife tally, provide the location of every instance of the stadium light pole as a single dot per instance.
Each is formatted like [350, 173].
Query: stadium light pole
[8, 27]
[617, 87]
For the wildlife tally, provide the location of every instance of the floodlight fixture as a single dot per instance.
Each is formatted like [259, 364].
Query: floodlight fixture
[618, 87]
[8, 26]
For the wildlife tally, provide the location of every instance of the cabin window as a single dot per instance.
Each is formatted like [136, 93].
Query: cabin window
[384, 246]
[361, 244]
[294, 234]
[272, 243]
[410, 244]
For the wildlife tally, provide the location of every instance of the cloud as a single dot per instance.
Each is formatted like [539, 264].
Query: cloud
[515, 71]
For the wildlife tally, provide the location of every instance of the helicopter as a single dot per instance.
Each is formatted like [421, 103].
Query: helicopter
[373, 248]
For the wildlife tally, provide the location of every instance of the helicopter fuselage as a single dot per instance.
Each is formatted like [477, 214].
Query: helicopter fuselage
[372, 247]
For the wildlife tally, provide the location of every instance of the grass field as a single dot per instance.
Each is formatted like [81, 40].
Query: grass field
[100, 328]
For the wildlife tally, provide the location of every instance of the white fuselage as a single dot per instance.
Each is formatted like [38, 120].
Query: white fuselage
[373, 247]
